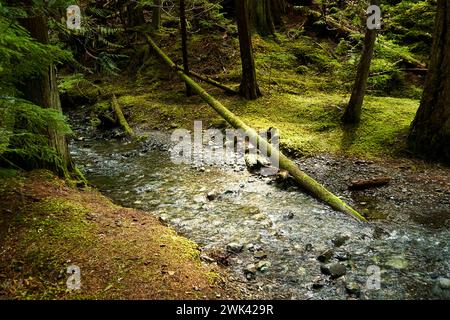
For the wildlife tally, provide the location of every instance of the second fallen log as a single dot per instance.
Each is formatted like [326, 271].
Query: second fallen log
[362, 184]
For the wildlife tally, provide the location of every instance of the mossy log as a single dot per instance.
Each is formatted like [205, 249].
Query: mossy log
[120, 117]
[305, 181]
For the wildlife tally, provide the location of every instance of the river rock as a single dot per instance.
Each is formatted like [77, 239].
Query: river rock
[212, 195]
[234, 247]
[397, 262]
[290, 215]
[444, 283]
[250, 271]
[260, 254]
[334, 270]
[325, 256]
[342, 256]
[352, 288]
[442, 288]
[263, 266]
[340, 240]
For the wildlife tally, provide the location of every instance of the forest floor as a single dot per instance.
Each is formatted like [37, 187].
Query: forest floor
[124, 253]
[47, 226]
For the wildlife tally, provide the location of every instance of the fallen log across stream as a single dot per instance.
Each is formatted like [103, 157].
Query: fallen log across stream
[305, 181]
[120, 117]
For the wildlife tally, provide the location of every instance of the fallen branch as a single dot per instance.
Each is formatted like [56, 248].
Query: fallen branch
[305, 181]
[369, 183]
[211, 82]
[418, 70]
[120, 117]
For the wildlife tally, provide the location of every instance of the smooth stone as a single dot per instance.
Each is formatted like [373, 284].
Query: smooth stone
[444, 283]
[250, 270]
[352, 288]
[325, 256]
[260, 255]
[334, 270]
[263, 265]
[397, 262]
[234, 247]
[339, 241]
[211, 195]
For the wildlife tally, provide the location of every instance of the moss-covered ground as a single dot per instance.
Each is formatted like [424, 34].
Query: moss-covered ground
[305, 81]
[46, 226]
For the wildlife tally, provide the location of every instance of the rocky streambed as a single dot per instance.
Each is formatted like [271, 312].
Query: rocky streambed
[276, 241]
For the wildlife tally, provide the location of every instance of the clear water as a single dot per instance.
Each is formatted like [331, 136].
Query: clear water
[289, 226]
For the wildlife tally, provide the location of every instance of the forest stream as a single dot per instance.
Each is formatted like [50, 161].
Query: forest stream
[270, 238]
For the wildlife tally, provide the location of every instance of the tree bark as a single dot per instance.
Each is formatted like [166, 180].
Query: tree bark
[184, 47]
[261, 16]
[305, 181]
[278, 9]
[135, 15]
[249, 87]
[352, 114]
[42, 90]
[430, 130]
[156, 15]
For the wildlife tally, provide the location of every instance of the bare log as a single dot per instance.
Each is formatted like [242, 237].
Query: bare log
[120, 117]
[362, 184]
[305, 181]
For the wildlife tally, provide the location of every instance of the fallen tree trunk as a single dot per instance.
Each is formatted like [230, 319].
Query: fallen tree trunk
[369, 183]
[120, 117]
[305, 181]
[211, 82]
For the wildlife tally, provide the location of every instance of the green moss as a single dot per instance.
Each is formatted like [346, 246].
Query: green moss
[60, 220]
[311, 124]
[7, 173]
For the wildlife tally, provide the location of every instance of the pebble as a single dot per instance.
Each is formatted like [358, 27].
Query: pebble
[234, 247]
[444, 283]
[352, 288]
[250, 271]
[260, 255]
[325, 256]
[339, 241]
[397, 262]
[263, 266]
[211, 195]
[334, 270]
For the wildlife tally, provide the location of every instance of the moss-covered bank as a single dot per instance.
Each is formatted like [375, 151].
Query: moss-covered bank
[46, 226]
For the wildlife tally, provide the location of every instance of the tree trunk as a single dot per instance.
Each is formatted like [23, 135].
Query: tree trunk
[184, 42]
[430, 131]
[249, 87]
[352, 114]
[156, 15]
[261, 16]
[42, 90]
[278, 9]
[135, 16]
